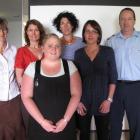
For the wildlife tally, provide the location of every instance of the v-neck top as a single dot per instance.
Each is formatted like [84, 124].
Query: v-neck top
[24, 57]
[96, 76]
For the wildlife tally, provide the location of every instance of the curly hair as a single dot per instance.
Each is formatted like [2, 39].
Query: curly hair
[40, 28]
[70, 16]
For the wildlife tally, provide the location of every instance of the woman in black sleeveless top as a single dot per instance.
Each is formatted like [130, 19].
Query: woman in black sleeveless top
[51, 91]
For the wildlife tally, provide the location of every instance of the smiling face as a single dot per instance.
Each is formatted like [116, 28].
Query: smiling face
[91, 35]
[65, 26]
[127, 21]
[52, 48]
[33, 33]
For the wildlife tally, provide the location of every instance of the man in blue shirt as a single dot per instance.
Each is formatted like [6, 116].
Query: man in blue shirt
[126, 45]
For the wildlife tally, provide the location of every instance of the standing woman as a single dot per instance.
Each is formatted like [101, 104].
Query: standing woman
[67, 23]
[97, 67]
[11, 124]
[32, 51]
[51, 91]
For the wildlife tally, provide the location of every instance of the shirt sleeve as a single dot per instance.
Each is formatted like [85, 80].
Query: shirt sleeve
[72, 67]
[112, 67]
[19, 61]
[30, 70]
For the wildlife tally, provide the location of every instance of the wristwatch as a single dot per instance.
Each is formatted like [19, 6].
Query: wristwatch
[110, 99]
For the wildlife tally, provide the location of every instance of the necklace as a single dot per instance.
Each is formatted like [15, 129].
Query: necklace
[67, 42]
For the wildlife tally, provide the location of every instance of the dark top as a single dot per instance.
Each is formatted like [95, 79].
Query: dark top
[96, 76]
[52, 96]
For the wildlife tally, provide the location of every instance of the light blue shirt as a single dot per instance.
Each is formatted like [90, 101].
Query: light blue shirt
[69, 50]
[127, 55]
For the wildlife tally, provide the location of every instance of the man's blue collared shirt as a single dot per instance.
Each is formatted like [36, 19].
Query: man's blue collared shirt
[127, 55]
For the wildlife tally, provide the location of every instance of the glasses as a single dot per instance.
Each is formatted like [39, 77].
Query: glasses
[91, 32]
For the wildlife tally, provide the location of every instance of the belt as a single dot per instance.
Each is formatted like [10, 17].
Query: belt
[128, 82]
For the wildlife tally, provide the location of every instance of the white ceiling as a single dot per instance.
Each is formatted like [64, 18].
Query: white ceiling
[13, 9]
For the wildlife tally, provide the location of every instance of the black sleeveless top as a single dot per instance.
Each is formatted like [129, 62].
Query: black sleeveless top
[51, 95]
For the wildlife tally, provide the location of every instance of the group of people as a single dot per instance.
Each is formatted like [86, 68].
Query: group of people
[65, 81]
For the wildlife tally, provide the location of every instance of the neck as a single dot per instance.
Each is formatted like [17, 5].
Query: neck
[50, 62]
[67, 40]
[34, 45]
[92, 46]
[127, 33]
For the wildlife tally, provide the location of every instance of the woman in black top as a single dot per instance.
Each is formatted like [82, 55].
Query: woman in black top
[97, 67]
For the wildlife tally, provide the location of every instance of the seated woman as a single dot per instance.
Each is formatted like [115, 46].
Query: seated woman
[51, 91]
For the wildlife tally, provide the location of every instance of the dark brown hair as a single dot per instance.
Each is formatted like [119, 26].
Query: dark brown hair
[94, 24]
[71, 18]
[40, 28]
[3, 24]
[128, 9]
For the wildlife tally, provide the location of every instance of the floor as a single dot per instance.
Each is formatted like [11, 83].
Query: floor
[125, 136]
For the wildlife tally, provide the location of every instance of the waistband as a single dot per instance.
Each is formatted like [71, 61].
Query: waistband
[128, 82]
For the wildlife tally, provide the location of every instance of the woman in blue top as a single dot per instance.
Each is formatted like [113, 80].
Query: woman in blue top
[97, 67]
[67, 23]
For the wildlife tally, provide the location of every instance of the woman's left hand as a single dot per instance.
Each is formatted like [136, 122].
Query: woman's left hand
[60, 125]
[105, 107]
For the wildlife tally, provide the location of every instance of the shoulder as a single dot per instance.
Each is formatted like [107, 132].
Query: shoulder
[72, 67]
[113, 36]
[137, 33]
[78, 38]
[107, 49]
[79, 51]
[22, 48]
[12, 49]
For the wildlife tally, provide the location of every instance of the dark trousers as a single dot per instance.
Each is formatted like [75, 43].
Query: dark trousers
[11, 123]
[126, 98]
[102, 126]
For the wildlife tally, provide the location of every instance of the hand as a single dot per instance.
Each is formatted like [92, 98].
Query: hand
[48, 125]
[81, 109]
[105, 107]
[60, 125]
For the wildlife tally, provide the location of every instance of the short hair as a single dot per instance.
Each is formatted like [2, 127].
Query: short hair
[94, 24]
[3, 24]
[48, 36]
[40, 28]
[128, 9]
[70, 16]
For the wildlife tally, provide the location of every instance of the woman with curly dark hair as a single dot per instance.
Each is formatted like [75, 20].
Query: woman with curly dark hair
[67, 24]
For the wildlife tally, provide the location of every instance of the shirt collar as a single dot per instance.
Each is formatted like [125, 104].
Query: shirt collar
[7, 47]
[120, 35]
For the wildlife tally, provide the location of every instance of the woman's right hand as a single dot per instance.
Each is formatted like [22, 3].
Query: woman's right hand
[48, 125]
[81, 109]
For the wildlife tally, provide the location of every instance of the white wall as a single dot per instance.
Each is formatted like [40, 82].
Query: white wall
[107, 16]
[15, 33]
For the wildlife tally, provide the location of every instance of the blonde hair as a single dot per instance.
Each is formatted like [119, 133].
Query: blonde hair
[48, 36]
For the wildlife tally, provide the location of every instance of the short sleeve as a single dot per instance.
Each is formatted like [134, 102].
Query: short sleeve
[19, 62]
[30, 70]
[72, 67]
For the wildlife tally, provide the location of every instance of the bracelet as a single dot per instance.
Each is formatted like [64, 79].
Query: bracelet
[110, 99]
[65, 120]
